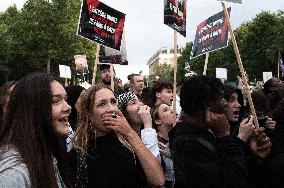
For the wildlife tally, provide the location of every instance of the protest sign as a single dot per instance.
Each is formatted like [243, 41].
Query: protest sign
[175, 15]
[101, 23]
[211, 34]
[112, 56]
[266, 76]
[221, 73]
[233, 1]
[64, 71]
[85, 85]
[81, 64]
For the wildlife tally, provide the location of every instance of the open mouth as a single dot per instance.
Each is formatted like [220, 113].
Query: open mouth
[237, 113]
[64, 119]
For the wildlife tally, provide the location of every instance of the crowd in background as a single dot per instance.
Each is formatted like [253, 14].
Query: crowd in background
[51, 136]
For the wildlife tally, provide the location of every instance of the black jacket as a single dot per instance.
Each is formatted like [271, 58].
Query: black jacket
[202, 160]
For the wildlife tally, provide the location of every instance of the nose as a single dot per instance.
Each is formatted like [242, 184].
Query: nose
[67, 107]
[112, 107]
[238, 104]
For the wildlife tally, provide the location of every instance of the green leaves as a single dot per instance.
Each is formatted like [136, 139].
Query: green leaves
[41, 30]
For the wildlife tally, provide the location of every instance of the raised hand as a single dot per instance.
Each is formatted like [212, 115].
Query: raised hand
[117, 123]
[218, 123]
[260, 144]
[246, 129]
[145, 115]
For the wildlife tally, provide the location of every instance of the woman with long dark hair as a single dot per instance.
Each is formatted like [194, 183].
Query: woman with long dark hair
[32, 147]
[5, 91]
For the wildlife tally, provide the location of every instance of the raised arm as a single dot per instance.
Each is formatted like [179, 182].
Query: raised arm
[151, 166]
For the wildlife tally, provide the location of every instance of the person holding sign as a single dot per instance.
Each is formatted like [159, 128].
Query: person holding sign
[106, 79]
[255, 143]
[203, 151]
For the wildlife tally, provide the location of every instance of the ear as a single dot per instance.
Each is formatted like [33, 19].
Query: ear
[158, 122]
[158, 95]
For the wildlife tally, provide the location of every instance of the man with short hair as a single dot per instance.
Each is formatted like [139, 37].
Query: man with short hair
[106, 79]
[106, 74]
[136, 84]
[203, 151]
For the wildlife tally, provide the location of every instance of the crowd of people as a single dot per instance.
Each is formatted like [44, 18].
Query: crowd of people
[56, 136]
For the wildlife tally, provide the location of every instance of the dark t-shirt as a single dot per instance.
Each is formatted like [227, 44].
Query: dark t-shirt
[113, 165]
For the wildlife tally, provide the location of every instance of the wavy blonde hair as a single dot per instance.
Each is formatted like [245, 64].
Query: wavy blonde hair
[85, 131]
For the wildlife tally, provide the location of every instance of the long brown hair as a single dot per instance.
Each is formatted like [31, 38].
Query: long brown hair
[27, 127]
[4, 95]
[84, 132]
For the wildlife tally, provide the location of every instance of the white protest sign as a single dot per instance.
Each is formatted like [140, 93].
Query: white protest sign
[85, 85]
[233, 1]
[266, 76]
[65, 71]
[221, 73]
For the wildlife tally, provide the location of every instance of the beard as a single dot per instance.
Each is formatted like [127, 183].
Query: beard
[106, 81]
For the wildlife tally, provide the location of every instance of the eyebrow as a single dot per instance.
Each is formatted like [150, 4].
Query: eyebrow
[60, 95]
[134, 99]
[105, 100]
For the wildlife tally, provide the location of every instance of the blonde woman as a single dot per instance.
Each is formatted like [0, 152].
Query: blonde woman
[111, 152]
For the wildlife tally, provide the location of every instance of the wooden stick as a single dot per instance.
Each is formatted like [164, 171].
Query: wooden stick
[66, 82]
[175, 73]
[112, 75]
[206, 63]
[96, 64]
[244, 78]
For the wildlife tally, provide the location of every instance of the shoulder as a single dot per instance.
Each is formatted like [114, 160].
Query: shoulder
[13, 172]
[191, 137]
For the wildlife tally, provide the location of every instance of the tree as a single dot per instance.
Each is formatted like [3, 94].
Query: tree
[40, 32]
[162, 72]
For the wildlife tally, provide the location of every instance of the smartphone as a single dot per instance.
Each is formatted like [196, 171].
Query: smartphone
[261, 120]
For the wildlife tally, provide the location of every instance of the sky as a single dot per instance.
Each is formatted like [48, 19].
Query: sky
[146, 34]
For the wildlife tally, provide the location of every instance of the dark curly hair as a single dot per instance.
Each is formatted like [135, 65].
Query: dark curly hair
[158, 86]
[260, 103]
[197, 91]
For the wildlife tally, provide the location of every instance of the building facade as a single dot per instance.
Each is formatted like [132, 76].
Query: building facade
[162, 56]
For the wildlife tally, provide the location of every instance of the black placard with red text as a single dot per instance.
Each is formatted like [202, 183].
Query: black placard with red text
[101, 23]
[175, 15]
[211, 35]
